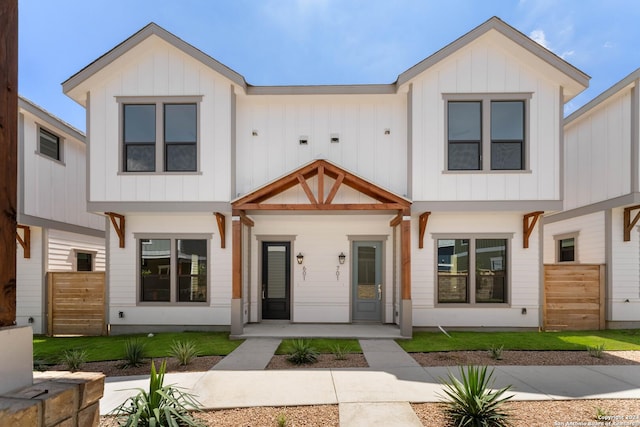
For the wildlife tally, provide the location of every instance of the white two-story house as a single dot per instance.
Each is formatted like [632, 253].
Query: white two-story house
[413, 203]
[599, 223]
[55, 231]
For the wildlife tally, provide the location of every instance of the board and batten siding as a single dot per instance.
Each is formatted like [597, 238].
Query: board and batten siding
[62, 247]
[55, 190]
[598, 152]
[155, 68]
[590, 242]
[122, 274]
[359, 121]
[524, 267]
[485, 66]
[625, 271]
[30, 284]
[322, 296]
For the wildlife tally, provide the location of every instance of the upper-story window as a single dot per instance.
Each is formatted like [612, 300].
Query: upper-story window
[566, 245]
[160, 135]
[486, 132]
[49, 144]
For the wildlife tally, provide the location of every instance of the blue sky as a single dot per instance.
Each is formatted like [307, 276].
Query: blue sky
[312, 42]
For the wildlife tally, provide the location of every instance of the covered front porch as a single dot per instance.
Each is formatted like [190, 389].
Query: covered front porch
[321, 246]
[285, 329]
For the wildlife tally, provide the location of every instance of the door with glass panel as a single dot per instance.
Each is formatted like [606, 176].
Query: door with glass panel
[367, 281]
[276, 280]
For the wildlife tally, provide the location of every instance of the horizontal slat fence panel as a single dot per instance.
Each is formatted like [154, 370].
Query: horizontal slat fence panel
[76, 303]
[574, 297]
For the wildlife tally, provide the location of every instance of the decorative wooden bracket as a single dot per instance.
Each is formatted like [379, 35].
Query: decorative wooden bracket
[221, 228]
[528, 226]
[422, 227]
[24, 240]
[628, 223]
[118, 225]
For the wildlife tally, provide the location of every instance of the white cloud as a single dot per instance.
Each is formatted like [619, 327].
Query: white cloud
[539, 37]
[567, 54]
[608, 45]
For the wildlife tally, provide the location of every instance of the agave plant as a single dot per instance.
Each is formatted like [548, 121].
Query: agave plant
[184, 351]
[160, 406]
[302, 352]
[471, 402]
[133, 353]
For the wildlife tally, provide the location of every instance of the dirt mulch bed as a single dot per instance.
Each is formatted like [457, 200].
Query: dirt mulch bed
[325, 361]
[526, 358]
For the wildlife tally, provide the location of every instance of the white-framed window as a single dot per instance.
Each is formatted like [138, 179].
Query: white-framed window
[49, 144]
[160, 135]
[486, 132]
[566, 247]
[173, 268]
[473, 269]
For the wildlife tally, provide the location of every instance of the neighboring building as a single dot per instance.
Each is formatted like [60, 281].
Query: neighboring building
[55, 231]
[602, 197]
[413, 203]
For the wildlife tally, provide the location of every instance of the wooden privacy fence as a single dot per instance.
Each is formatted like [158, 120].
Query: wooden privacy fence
[76, 304]
[574, 297]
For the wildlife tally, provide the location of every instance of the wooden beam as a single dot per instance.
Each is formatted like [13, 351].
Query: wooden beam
[308, 207]
[8, 158]
[405, 256]
[396, 220]
[334, 189]
[528, 223]
[221, 229]
[25, 239]
[628, 223]
[117, 221]
[236, 258]
[422, 227]
[307, 190]
[321, 183]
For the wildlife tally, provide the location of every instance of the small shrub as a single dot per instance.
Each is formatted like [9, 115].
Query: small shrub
[470, 401]
[133, 353]
[73, 359]
[496, 352]
[160, 406]
[39, 364]
[302, 352]
[596, 351]
[184, 351]
[601, 413]
[281, 420]
[340, 352]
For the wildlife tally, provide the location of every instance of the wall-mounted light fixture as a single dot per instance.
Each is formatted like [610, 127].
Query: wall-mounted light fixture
[341, 257]
[254, 132]
[30, 320]
[335, 138]
[387, 131]
[299, 257]
[303, 140]
[121, 314]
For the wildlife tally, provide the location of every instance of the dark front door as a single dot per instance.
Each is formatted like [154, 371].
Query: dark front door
[276, 280]
[367, 281]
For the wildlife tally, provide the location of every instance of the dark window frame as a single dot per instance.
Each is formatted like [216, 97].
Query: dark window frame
[42, 131]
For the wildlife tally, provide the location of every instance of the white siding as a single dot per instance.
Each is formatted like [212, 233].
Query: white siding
[30, 284]
[590, 243]
[625, 272]
[55, 190]
[484, 67]
[525, 273]
[155, 68]
[123, 274]
[62, 247]
[360, 122]
[598, 153]
[323, 296]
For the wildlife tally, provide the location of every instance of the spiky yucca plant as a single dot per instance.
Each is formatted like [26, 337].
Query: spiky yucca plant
[471, 402]
[302, 352]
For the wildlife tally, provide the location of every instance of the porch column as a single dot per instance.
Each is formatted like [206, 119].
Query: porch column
[236, 277]
[406, 309]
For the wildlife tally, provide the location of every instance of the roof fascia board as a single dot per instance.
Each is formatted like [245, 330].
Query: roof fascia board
[604, 96]
[50, 119]
[149, 30]
[509, 32]
[486, 205]
[374, 89]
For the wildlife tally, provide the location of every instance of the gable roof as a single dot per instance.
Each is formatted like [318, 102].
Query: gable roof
[146, 32]
[258, 199]
[580, 79]
[52, 120]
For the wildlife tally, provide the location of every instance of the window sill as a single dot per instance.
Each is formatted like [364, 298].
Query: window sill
[486, 172]
[159, 173]
[171, 304]
[60, 162]
[469, 305]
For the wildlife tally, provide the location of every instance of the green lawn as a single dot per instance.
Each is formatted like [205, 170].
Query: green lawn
[627, 339]
[323, 345]
[50, 349]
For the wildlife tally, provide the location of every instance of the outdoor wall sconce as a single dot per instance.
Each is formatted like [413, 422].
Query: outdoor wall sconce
[299, 257]
[341, 257]
[303, 140]
[254, 132]
[335, 138]
[387, 131]
[121, 314]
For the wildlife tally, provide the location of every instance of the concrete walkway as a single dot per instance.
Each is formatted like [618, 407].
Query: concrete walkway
[377, 395]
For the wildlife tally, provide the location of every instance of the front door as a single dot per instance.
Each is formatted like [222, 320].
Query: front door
[276, 280]
[367, 281]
